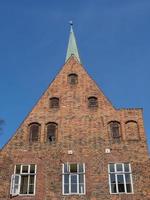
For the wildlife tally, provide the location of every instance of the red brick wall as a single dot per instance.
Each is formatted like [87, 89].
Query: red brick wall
[83, 130]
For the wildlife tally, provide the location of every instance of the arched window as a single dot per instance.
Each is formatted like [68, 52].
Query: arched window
[92, 102]
[34, 129]
[73, 79]
[115, 129]
[54, 102]
[51, 131]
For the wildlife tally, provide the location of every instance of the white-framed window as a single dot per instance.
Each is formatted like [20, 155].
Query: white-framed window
[23, 180]
[120, 178]
[73, 178]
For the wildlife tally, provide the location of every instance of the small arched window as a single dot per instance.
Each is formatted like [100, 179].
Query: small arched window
[115, 129]
[73, 79]
[54, 102]
[51, 132]
[92, 102]
[34, 129]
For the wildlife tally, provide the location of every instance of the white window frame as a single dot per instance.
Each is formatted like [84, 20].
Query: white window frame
[14, 184]
[29, 174]
[116, 173]
[69, 173]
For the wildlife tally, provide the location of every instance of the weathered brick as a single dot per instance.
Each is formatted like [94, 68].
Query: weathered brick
[84, 131]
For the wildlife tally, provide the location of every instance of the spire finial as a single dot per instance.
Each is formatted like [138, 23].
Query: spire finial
[71, 23]
[71, 26]
[72, 46]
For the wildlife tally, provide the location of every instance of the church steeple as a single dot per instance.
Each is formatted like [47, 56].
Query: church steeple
[72, 46]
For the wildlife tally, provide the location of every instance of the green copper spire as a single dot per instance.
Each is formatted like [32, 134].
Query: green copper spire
[72, 46]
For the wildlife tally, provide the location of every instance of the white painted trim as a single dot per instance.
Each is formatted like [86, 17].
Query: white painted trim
[116, 179]
[77, 174]
[13, 184]
[28, 174]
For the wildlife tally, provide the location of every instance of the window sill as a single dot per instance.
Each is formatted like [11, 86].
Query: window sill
[24, 195]
[122, 193]
[74, 194]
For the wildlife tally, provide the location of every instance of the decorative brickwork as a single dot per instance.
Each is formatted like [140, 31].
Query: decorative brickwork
[82, 137]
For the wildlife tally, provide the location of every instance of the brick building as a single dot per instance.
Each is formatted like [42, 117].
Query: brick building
[75, 144]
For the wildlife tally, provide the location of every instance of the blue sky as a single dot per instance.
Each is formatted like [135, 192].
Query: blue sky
[113, 38]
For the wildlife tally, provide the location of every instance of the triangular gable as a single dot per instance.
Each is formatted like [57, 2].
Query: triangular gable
[72, 100]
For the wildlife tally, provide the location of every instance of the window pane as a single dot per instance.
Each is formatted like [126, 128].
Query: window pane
[54, 102]
[66, 188]
[81, 188]
[112, 178]
[34, 131]
[24, 184]
[73, 183]
[32, 168]
[119, 168]
[66, 168]
[92, 102]
[51, 132]
[73, 78]
[18, 169]
[81, 169]
[128, 178]
[115, 132]
[15, 188]
[81, 178]
[73, 168]
[129, 188]
[113, 188]
[25, 169]
[31, 189]
[66, 178]
[73, 179]
[16, 179]
[120, 183]
[111, 168]
[73, 188]
[32, 179]
[121, 188]
[126, 168]
[120, 179]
